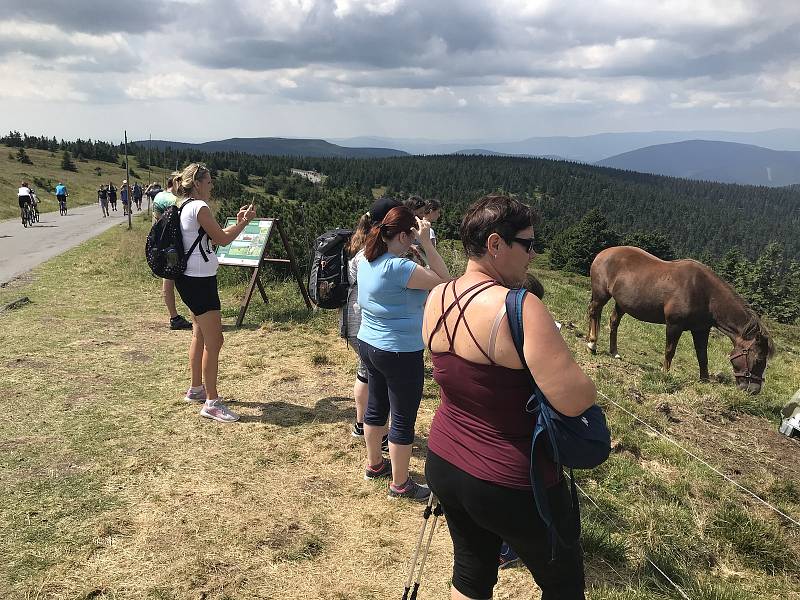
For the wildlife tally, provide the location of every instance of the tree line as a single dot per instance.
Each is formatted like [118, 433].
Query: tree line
[670, 217]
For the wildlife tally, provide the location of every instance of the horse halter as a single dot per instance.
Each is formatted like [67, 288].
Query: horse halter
[742, 370]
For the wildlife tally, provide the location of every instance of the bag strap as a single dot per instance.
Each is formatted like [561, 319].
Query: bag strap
[200, 233]
[538, 404]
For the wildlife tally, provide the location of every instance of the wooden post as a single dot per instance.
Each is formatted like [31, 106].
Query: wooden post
[293, 265]
[127, 179]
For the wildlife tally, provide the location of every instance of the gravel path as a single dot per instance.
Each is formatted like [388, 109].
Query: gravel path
[23, 249]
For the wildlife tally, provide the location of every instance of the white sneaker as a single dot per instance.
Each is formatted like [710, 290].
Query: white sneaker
[199, 396]
[218, 411]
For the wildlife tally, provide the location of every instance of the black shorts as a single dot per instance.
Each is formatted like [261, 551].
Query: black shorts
[61, 198]
[395, 381]
[481, 515]
[198, 293]
[24, 200]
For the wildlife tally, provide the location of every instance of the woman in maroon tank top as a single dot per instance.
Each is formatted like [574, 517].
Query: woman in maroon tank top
[479, 445]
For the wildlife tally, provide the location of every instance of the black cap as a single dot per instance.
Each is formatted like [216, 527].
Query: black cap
[382, 206]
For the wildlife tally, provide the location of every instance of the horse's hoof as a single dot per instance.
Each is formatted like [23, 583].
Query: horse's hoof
[617, 356]
[592, 347]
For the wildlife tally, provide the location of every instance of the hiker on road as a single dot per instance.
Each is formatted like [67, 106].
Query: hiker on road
[102, 199]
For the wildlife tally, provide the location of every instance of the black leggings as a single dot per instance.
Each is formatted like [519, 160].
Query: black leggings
[480, 515]
[395, 382]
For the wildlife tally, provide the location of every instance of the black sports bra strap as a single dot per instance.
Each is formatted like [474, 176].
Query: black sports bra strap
[445, 313]
[462, 316]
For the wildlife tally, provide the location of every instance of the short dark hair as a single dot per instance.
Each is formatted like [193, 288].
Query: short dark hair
[414, 203]
[431, 205]
[495, 213]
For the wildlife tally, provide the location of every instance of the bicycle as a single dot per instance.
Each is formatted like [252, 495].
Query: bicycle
[34, 213]
[62, 206]
[27, 215]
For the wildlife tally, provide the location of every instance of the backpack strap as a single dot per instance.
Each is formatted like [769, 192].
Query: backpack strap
[200, 233]
[538, 405]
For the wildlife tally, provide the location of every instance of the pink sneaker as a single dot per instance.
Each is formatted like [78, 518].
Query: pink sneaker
[199, 396]
[218, 411]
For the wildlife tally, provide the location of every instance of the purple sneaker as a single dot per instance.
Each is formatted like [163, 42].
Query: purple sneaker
[218, 411]
[199, 396]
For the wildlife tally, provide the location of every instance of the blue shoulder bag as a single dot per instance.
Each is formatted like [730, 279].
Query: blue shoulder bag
[581, 442]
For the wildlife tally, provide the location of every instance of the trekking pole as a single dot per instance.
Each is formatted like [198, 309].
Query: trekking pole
[437, 512]
[415, 555]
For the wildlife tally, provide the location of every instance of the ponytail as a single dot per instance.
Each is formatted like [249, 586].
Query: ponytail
[376, 245]
[398, 220]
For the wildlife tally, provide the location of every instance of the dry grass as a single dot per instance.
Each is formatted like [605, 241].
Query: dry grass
[112, 487]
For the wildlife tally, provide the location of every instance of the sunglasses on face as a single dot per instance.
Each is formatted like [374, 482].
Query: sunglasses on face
[526, 242]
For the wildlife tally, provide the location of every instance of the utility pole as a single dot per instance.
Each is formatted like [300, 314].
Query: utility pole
[149, 170]
[127, 179]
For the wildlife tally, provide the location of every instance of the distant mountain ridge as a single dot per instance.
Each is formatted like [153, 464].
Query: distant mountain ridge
[589, 148]
[268, 146]
[726, 162]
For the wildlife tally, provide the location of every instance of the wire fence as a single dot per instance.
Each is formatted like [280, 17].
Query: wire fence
[705, 463]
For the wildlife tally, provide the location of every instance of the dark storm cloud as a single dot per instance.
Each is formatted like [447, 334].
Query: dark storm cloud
[468, 43]
[68, 54]
[92, 16]
[418, 34]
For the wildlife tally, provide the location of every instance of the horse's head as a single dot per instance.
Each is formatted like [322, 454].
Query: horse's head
[749, 360]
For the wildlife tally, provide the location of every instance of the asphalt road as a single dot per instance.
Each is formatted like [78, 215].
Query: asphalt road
[23, 249]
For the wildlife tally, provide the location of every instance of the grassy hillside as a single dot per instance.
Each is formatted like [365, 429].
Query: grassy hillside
[112, 487]
[46, 172]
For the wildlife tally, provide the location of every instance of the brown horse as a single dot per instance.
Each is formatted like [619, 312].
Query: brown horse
[686, 296]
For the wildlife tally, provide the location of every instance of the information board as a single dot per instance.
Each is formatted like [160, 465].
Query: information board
[248, 247]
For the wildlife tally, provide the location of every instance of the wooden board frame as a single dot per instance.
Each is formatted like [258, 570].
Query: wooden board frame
[264, 259]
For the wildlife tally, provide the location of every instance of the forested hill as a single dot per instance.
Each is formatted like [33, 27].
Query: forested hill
[700, 219]
[714, 161]
[277, 147]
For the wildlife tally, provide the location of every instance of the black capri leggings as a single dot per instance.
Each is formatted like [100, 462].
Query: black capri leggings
[395, 382]
[480, 515]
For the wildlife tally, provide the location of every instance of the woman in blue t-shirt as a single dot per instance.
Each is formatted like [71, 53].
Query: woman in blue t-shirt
[392, 293]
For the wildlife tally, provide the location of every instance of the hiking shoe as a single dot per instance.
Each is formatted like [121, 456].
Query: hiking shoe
[508, 558]
[179, 323]
[410, 490]
[385, 470]
[219, 412]
[199, 396]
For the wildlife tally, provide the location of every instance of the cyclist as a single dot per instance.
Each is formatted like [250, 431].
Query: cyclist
[24, 196]
[61, 196]
[34, 206]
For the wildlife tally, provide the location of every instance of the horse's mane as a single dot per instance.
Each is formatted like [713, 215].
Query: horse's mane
[755, 326]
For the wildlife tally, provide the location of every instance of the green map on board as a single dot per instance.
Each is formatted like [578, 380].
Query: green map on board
[248, 247]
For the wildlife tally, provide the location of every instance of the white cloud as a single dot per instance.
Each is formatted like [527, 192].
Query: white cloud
[491, 59]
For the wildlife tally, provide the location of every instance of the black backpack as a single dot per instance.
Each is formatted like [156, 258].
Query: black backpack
[327, 281]
[164, 247]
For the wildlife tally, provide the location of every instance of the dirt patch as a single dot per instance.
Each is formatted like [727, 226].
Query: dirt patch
[136, 356]
[743, 447]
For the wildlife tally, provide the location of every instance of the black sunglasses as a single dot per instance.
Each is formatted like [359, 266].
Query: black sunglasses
[527, 242]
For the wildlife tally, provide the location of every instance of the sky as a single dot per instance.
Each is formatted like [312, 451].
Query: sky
[436, 69]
